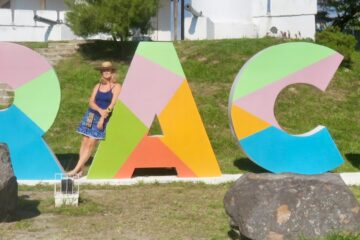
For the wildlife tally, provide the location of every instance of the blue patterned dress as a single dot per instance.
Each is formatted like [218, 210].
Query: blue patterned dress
[102, 100]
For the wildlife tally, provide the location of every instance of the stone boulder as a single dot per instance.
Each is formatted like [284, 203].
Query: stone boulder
[289, 206]
[8, 185]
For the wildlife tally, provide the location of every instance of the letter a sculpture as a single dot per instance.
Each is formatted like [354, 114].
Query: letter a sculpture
[155, 85]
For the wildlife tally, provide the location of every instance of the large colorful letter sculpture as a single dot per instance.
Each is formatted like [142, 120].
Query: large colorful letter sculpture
[155, 85]
[36, 103]
[251, 108]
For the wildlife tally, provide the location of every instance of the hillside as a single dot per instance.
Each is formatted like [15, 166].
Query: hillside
[210, 67]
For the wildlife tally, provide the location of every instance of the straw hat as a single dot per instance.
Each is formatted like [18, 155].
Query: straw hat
[106, 65]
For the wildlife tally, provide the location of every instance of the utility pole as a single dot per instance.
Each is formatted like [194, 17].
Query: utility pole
[175, 8]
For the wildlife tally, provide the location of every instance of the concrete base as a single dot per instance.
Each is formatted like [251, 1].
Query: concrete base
[348, 178]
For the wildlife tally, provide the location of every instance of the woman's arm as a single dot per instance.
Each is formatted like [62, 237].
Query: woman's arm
[116, 91]
[93, 105]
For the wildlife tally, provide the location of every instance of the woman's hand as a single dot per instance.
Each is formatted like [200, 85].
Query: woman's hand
[100, 124]
[103, 113]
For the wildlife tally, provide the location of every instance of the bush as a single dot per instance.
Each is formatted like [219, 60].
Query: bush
[343, 43]
[118, 18]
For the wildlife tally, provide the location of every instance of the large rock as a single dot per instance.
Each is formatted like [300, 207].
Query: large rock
[289, 206]
[8, 185]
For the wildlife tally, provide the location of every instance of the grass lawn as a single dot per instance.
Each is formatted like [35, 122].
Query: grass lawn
[211, 67]
[152, 212]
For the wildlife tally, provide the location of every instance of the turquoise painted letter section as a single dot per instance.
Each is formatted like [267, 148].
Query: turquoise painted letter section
[308, 154]
[31, 158]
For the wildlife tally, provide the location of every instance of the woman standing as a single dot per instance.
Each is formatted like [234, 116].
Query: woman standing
[93, 124]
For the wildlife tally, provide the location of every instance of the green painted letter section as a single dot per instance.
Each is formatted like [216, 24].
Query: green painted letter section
[119, 144]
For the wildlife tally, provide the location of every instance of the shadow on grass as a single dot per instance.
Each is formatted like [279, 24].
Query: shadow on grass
[26, 208]
[109, 50]
[354, 159]
[68, 160]
[245, 164]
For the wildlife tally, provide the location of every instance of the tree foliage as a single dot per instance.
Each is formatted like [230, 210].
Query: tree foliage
[115, 17]
[343, 43]
[344, 14]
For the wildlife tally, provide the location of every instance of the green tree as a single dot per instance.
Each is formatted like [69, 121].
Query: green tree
[343, 43]
[344, 14]
[114, 17]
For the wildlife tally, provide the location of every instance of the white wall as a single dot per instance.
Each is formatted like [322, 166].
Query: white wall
[5, 17]
[297, 26]
[245, 18]
[259, 8]
[220, 19]
[223, 30]
[198, 28]
[203, 28]
[225, 10]
[295, 17]
[24, 18]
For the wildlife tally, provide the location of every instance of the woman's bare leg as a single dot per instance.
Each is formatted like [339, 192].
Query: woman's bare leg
[82, 151]
[86, 148]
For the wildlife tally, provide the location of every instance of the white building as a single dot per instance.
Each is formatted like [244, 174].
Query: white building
[251, 18]
[17, 20]
[215, 19]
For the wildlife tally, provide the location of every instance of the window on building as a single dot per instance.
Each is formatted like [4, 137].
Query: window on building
[268, 6]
